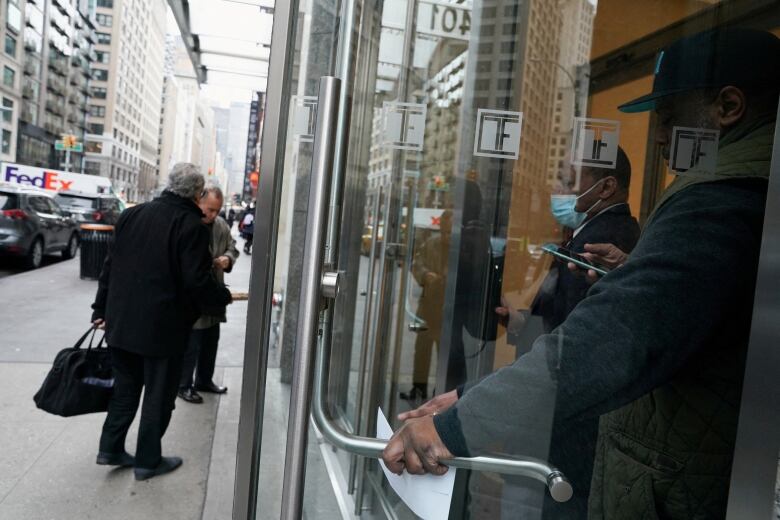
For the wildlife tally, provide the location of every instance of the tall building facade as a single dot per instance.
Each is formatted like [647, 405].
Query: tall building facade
[171, 140]
[571, 95]
[151, 87]
[221, 127]
[11, 61]
[186, 127]
[444, 89]
[124, 114]
[57, 56]
[238, 129]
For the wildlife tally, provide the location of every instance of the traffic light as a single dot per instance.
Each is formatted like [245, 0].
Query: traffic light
[69, 140]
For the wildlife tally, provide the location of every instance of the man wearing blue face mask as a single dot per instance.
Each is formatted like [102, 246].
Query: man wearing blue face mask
[598, 215]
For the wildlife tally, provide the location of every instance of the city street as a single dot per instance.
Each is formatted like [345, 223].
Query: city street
[48, 468]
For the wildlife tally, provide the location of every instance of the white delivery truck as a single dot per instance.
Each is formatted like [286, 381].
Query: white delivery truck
[54, 180]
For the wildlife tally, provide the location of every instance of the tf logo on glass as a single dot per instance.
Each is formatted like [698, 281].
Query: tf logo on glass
[498, 134]
[595, 142]
[304, 117]
[404, 125]
[694, 148]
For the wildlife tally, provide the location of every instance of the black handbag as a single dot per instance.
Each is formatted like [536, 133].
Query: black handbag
[79, 382]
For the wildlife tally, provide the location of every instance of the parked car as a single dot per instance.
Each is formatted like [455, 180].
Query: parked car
[91, 208]
[32, 225]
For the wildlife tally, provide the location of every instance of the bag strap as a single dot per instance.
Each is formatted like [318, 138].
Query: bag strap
[84, 337]
[92, 340]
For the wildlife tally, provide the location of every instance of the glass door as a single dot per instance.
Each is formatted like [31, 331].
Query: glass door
[470, 150]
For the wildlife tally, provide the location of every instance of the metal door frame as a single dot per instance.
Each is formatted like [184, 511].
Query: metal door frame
[256, 342]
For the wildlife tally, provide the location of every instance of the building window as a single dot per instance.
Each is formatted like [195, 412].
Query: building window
[105, 3]
[105, 20]
[103, 38]
[99, 92]
[6, 141]
[97, 111]
[9, 76]
[8, 115]
[93, 147]
[14, 15]
[92, 168]
[95, 128]
[103, 57]
[10, 45]
[100, 74]
[33, 151]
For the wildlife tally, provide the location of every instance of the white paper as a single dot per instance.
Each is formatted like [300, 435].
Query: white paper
[429, 496]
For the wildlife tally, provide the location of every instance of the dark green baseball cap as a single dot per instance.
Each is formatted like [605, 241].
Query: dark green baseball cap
[714, 58]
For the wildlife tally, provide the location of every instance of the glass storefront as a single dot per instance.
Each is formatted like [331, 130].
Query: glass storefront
[474, 148]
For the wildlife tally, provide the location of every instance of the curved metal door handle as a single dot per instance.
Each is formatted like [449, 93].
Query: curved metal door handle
[558, 485]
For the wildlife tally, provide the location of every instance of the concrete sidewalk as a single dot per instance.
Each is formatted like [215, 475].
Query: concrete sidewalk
[47, 463]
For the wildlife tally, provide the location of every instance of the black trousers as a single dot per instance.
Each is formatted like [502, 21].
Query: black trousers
[201, 353]
[132, 373]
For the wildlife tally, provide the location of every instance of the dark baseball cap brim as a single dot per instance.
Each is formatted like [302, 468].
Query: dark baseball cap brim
[711, 59]
[647, 102]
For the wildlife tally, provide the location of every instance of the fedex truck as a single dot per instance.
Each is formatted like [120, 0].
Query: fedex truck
[54, 180]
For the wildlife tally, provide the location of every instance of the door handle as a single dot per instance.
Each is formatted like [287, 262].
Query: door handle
[558, 485]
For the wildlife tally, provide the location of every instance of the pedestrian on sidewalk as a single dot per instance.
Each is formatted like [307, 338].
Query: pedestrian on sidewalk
[155, 282]
[204, 338]
[246, 225]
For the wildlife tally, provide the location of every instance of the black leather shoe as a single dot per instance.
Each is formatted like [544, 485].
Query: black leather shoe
[210, 388]
[166, 465]
[123, 459]
[190, 395]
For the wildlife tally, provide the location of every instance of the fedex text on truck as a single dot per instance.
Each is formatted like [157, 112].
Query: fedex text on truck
[54, 180]
[47, 180]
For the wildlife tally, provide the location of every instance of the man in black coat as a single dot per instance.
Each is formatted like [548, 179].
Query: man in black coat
[603, 202]
[155, 281]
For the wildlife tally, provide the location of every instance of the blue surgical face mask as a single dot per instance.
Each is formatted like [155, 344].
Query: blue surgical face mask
[562, 207]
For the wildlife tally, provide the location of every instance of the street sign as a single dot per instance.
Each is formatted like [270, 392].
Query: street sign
[444, 19]
[60, 145]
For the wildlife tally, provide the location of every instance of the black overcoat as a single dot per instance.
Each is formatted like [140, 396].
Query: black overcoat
[157, 278]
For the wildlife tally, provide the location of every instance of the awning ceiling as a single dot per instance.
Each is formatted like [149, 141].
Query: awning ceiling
[229, 38]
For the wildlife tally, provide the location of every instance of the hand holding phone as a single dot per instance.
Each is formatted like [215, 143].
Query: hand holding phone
[608, 256]
[566, 255]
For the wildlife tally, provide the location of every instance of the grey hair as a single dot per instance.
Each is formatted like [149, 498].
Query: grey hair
[186, 181]
[213, 189]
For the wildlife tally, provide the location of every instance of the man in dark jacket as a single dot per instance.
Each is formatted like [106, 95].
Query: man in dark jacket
[204, 339]
[658, 346]
[155, 281]
[603, 202]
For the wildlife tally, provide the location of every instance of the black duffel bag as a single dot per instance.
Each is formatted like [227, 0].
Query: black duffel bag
[79, 382]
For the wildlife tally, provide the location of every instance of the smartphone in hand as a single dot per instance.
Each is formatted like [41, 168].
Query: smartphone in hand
[566, 255]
